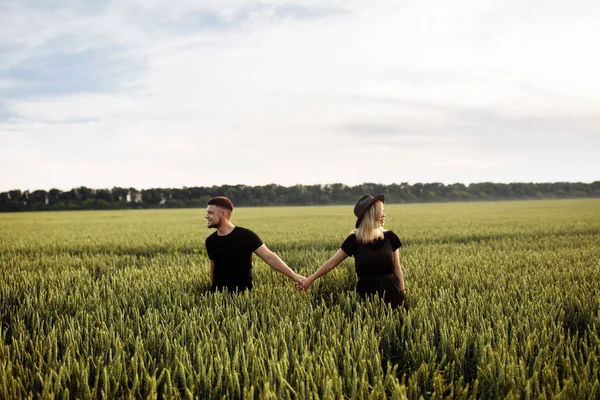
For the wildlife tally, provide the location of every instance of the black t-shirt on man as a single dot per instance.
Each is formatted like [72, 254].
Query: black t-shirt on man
[232, 255]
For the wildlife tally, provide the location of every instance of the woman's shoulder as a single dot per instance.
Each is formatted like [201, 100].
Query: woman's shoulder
[393, 238]
[350, 244]
[389, 233]
[350, 238]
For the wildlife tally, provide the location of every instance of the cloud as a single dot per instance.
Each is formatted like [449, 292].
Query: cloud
[57, 74]
[479, 129]
[157, 93]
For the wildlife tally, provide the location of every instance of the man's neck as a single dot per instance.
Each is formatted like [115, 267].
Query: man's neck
[225, 228]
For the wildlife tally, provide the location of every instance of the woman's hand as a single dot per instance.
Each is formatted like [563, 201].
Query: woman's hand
[299, 279]
[305, 284]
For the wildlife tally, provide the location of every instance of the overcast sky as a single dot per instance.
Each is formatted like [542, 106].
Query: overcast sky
[197, 93]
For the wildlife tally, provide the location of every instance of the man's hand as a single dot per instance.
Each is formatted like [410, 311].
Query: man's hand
[299, 279]
[305, 284]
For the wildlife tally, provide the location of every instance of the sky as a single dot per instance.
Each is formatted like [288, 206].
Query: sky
[199, 93]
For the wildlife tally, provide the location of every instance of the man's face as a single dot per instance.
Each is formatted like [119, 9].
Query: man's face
[214, 216]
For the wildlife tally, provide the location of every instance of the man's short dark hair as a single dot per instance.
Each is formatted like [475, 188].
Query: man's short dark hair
[221, 201]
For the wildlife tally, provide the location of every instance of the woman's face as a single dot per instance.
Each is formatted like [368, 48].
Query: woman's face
[382, 219]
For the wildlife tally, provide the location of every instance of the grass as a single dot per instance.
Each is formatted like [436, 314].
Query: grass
[504, 302]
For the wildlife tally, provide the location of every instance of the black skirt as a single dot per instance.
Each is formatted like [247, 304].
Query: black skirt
[385, 286]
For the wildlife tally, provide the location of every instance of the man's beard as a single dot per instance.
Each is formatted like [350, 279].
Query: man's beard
[214, 225]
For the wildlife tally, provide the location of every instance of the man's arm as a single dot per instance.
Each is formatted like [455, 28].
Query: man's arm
[276, 263]
[212, 270]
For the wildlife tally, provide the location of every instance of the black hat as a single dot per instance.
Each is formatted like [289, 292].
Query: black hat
[364, 203]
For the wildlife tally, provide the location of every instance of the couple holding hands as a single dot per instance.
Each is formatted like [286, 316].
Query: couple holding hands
[375, 252]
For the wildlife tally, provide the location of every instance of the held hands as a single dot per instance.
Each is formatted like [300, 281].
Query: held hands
[300, 282]
[299, 279]
[304, 284]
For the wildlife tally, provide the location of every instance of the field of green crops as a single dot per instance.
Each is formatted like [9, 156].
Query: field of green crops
[504, 301]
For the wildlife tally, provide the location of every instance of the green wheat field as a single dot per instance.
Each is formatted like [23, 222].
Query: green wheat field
[503, 301]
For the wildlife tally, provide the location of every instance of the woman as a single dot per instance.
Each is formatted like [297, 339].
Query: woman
[375, 252]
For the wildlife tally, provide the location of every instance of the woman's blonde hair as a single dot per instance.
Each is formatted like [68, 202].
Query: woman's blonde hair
[370, 229]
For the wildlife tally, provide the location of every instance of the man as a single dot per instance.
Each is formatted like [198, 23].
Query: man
[230, 250]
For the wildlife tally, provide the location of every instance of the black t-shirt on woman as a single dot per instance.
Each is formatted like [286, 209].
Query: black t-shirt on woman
[374, 258]
[374, 264]
[232, 255]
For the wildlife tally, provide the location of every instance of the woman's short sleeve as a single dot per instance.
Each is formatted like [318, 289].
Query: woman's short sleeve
[350, 244]
[394, 240]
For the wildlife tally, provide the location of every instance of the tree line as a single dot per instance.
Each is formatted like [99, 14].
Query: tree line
[84, 198]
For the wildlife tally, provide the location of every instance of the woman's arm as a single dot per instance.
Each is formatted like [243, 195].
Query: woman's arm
[325, 268]
[398, 269]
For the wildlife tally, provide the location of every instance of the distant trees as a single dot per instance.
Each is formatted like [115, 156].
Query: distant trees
[84, 198]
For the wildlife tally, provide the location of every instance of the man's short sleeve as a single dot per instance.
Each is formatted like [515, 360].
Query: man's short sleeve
[252, 240]
[394, 240]
[350, 244]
